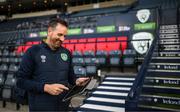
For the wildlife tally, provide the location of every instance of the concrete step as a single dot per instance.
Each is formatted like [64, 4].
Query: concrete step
[169, 36]
[165, 66]
[162, 81]
[166, 103]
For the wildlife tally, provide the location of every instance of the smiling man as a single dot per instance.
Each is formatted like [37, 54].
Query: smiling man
[45, 71]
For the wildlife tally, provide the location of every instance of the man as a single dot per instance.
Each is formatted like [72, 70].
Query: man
[45, 71]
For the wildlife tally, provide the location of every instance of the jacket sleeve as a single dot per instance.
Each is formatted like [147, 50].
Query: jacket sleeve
[71, 76]
[25, 72]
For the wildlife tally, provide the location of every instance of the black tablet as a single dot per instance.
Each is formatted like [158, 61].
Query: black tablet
[75, 90]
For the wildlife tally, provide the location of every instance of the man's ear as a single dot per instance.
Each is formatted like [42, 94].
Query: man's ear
[50, 31]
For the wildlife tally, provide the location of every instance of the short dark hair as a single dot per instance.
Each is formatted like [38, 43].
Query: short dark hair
[54, 22]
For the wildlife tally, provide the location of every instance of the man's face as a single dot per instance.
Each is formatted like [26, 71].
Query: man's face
[56, 36]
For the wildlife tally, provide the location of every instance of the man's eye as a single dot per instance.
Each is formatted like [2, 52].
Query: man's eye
[60, 35]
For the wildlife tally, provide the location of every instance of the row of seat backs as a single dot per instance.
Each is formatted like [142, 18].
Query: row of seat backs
[126, 52]
[10, 60]
[23, 48]
[101, 57]
[83, 44]
[87, 71]
[101, 43]
[5, 80]
[12, 68]
[6, 53]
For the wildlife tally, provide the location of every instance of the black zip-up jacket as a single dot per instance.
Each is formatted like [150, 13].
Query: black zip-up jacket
[41, 65]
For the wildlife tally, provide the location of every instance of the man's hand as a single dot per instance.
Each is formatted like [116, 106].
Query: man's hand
[54, 89]
[82, 81]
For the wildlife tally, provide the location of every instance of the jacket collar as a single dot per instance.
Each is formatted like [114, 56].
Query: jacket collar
[45, 45]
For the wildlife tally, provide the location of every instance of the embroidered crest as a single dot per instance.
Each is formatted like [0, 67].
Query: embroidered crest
[142, 46]
[64, 57]
[43, 58]
[143, 15]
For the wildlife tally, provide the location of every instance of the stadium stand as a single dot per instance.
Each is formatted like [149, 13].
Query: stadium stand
[153, 87]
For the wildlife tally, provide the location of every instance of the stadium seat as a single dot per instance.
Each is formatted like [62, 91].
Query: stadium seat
[112, 44]
[73, 41]
[77, 58]
[26, 48]
[101, 44]
[101, 57]
[10, 80]
[5, 53]
[93, 40]
[12, 54]
[13, 68]
[6, 94]
[36, 42]
[70, 47]
[3, 68]
[90, 46]
[123, 42]
[111, 39]
[5, 60]
[82, 40]
[29, 43]
[129, 57]
[91, 70]
[89, 57]
[115, 57]
[79, 71]
[80, 47]
[66, 41]
[20, 49]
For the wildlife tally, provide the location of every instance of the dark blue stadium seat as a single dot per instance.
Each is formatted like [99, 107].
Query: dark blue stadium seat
[79, 71]
[101, 57]
[77, 58]
[115, 57]
[129, 57]
[3, 68]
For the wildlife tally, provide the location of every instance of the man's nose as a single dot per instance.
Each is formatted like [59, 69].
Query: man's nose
[62, 38]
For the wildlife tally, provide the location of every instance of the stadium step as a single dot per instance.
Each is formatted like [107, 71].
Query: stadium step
[160, 102]
[162, 73]
[165, 66]
[167, 54]
[168, 36]
[110, 95]
[165, 59]
[169, 41]
[163, 81]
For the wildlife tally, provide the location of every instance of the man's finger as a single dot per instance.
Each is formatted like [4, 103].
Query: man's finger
[59, 90]
[63, 87]
[84, 78]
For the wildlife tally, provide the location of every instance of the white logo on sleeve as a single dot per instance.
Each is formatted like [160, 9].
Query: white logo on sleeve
[43, 58]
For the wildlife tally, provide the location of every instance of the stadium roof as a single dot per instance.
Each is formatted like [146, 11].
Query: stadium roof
[8, 7]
